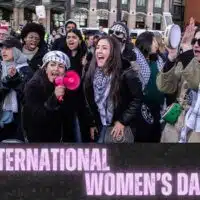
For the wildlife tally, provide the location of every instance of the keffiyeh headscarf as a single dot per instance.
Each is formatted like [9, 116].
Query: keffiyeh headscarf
[122, 28]
[144, 70]
[101, 86]
[57, 56]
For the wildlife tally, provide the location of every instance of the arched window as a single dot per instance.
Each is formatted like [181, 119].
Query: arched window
[81, 16]
[141, 2]
[158, 4]
[157, 22]
[102, 18]
[140, 20]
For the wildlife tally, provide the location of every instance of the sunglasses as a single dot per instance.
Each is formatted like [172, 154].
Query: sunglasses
[114, 32]
[194, 40]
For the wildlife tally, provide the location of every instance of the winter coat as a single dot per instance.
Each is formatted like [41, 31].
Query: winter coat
[44, 117]
[177, 80]
[36, 62]
[129, 105]
[76, 105]
[17, 83]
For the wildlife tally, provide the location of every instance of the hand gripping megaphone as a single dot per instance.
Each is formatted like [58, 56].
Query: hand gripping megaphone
[71, 81]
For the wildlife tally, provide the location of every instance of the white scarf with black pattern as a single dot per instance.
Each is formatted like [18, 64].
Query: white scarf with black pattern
[102, 86]
[144, 70]
[192, 117]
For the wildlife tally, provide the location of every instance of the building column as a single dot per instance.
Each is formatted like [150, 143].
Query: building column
[16, 18]
[21, 15]
[72, 7]
[48, 20]
[132, 15]
[112, 13]
[92, 15]
[149, 17]
[166, 6]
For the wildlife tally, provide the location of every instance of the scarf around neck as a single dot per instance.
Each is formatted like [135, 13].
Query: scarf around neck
[102, 87]
[192, 117]
[30, 54]
[10, 101]
[144, 69]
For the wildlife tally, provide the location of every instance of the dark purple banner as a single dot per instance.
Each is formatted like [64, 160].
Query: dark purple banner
[69, 171]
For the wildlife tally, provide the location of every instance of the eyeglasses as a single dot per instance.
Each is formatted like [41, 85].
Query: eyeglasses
[194, 40]
[114, 32]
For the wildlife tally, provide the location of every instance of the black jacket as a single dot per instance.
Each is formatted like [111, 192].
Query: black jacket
[36, 62]
[43, 114]
[129, 103]
[76, 105]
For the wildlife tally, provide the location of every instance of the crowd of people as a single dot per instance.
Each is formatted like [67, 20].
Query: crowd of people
[125, 88]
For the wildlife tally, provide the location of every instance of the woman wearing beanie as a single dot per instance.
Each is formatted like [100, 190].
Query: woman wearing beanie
[34, 46]
[15, 72]
[76, 49]
[43, 113]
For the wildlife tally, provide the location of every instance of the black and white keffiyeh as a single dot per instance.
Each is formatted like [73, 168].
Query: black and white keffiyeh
[118, 27]
[192, 117]
[101, 86]
[144, 70]
[56, 56]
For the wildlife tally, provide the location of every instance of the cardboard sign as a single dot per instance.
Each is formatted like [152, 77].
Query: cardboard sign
[40, 12]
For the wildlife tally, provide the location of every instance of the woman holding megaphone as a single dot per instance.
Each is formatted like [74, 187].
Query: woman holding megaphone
[45, 100]
[181, 77]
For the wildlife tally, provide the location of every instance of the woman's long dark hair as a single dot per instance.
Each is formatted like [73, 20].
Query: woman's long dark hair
[113, 66]
[82, 48]
[144, 43]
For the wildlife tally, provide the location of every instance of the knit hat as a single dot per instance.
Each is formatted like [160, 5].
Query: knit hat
[56, 56]
[11, 42]
[70, 21]
[122, 28]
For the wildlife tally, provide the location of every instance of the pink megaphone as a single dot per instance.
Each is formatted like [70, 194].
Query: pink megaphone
[71, 81]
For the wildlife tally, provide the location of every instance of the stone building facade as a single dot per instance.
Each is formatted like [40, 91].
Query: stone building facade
[177, 10]
[89, 13]
[192, 10]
